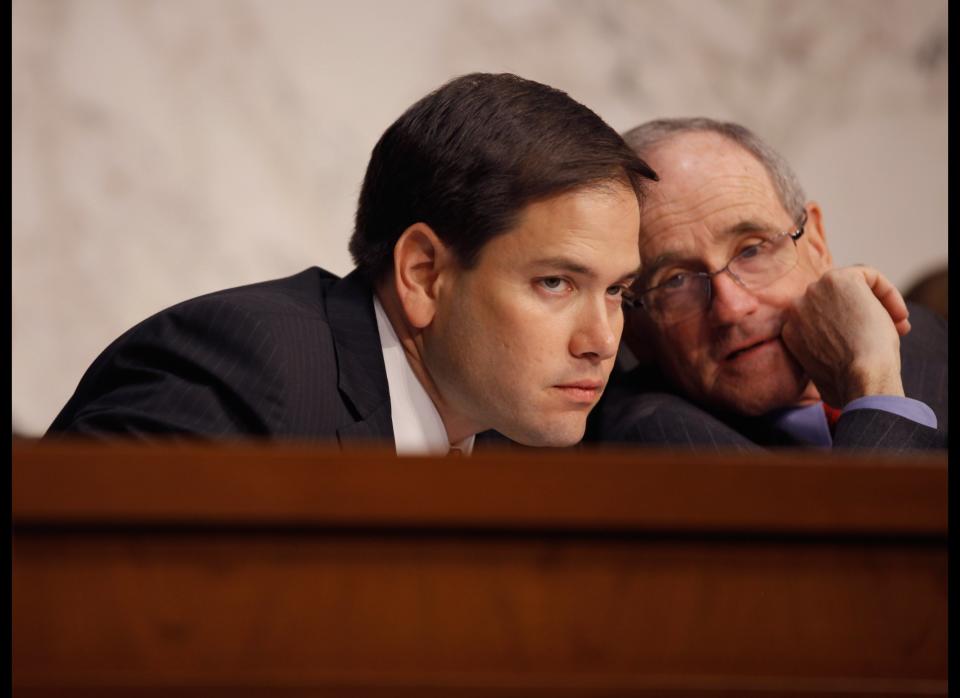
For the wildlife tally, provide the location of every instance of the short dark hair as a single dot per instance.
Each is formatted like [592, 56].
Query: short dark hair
[471, 155]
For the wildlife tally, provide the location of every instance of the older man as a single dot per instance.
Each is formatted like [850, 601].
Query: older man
[759, 339]
[496, 234]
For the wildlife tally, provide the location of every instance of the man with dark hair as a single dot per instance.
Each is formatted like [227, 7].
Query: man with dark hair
[758, 339]
[496, 235]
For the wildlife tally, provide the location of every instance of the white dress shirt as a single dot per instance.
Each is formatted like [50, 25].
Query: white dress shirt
[417, 427]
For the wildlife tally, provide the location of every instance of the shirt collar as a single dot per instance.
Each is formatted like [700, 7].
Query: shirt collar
[417, 426]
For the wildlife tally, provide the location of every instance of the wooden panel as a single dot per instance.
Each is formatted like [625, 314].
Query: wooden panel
[242, 571]
[585, 489]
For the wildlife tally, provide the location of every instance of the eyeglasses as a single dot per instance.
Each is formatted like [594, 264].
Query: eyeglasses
[686, 293]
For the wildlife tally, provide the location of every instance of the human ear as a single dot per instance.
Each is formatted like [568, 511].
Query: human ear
[418, 259]
[816, 237]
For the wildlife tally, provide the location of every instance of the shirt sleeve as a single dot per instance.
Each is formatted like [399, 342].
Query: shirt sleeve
[906, 407]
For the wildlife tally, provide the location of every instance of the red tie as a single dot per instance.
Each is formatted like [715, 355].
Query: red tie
[833, 416]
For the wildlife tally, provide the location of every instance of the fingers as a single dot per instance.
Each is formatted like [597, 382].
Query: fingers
[844, 332]
[889, 297]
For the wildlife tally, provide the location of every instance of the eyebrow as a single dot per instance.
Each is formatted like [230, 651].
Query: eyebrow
[742, 228]
[572, 266]
[750, 226]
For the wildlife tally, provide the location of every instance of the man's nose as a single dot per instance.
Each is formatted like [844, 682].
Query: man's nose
[730, 300]
[597, 334]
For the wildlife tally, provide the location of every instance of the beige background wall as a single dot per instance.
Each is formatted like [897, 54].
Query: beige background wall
[162, 149]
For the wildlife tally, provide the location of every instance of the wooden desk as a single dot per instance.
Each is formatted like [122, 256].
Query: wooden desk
[256, 570]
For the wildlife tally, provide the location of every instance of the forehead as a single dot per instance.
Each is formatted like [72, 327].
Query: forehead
[708, 184]
[597, 223]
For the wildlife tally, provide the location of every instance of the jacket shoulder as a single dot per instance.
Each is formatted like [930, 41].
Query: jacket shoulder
[302, 292]
[248, 360]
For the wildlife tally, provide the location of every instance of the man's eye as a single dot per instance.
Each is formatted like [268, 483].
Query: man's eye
[751, 251]
[554, 283]
[674, 281]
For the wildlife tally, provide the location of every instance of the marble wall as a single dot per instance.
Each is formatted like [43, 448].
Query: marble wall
[165, 148]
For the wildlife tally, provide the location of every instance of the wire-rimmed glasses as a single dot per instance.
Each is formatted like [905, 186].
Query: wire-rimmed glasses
[687, 293]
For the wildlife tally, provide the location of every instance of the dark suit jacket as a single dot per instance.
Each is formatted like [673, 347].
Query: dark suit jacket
[639, 407]
[298, 357]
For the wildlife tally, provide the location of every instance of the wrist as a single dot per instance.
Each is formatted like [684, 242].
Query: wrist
[863, 382]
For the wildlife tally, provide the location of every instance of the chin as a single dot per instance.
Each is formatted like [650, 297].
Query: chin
[559, 434]
[753, 408]
[780, 384]
[754, 401]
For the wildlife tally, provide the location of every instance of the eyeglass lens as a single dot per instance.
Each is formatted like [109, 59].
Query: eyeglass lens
[755, 267]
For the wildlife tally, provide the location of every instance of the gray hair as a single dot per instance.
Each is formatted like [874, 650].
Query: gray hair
[644, 137]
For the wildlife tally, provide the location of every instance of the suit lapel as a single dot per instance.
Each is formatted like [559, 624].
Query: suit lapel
[378, 425]
[361, 376]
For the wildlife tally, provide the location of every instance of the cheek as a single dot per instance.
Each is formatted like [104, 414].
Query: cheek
[528, 325]
[687, 343]
[777, 299]
[792, 286]
[537, 342]
[686, 355]
[511, 340]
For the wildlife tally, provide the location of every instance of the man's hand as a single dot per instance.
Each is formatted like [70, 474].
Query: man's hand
[845, 331]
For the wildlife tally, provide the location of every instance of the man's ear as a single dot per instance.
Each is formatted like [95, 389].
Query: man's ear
[418, 258]
[820, 255]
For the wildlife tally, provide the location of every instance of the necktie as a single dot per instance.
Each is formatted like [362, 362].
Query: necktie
[454, 453]
[833, 416]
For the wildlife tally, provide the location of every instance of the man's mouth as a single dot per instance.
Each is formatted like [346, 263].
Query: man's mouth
[581, 391]
[747, 348]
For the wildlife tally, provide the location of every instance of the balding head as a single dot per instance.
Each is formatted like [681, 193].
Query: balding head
[649, 135]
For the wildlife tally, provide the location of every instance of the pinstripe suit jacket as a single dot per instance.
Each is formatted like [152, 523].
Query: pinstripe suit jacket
[298, 357]
[639, 407]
